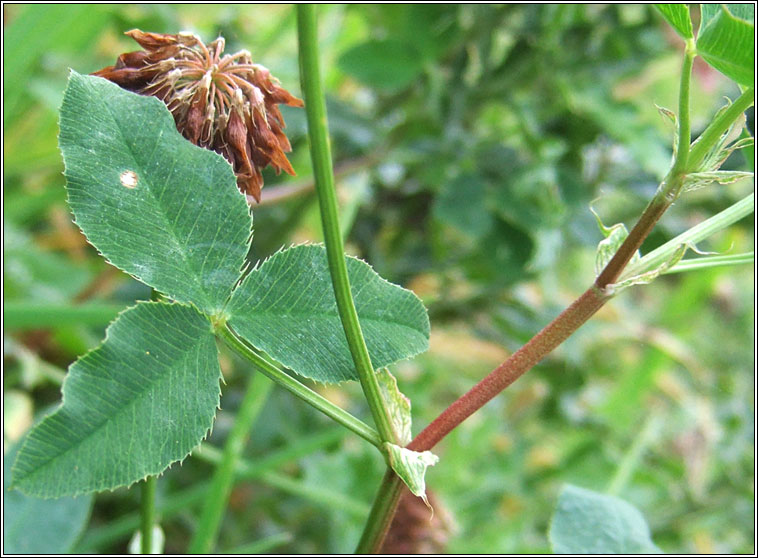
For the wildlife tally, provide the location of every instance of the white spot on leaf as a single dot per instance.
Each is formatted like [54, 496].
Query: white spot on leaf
[129, 179]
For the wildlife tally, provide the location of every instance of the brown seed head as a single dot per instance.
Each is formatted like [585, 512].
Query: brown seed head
[415, 530]
[227, 104]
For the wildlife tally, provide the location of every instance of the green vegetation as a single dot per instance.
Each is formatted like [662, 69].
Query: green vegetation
[471, 146]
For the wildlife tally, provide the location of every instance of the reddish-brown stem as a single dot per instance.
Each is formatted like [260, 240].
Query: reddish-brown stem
[519, 362]
[555, 333]
[537, 348]
[638, 234]
[582, 308]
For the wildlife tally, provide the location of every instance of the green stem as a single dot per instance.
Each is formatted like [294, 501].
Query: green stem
[35, 315]
[683, 148]
[329, 498]
[748, 151]
[262, 546]
[315, 106]
[147, 514]
[303, 392]
[382, 512]
[204, 539]
[718, 126]
[694, 235]
[632, 458]
[712, 261]
[669, 189]
[275, 460]
[275, 194]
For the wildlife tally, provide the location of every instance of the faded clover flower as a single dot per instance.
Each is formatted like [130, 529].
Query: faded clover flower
[225, 104]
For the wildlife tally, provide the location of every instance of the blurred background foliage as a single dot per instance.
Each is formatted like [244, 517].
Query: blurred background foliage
[469, 143]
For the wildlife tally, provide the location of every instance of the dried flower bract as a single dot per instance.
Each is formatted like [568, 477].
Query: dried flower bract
[224, 103]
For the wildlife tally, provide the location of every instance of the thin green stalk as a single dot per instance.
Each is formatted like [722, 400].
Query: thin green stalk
[205, 536]
[275, 194]
[718, 126]
[712, 261]
[95, 539]
[328, 498]
[692, 236]
[748, 151]
[273, 461]
[331, 499]
[315, 107]
[34, 315]
[382, 512]
[303, 392]
[147, 513]
[633, 456]
[261, 546]
[147, 504]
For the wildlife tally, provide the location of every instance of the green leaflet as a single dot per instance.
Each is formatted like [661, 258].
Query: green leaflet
[368, 63]
[152, 203]
[462, 204]
[286, 307]
[35, 526]
[678, 16]
[587, 522]
[726, 40]
[131, 407]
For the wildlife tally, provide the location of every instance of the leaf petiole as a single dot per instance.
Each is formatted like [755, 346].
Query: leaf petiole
[300, 390]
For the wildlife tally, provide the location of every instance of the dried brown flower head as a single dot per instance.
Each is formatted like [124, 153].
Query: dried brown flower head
[227, 104]
[415, 530]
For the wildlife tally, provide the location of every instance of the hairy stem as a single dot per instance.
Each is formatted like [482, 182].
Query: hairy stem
[204, 539]
[669, 188]
[581, 309]
[519, 362]
[318, 135]
[303, 392]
